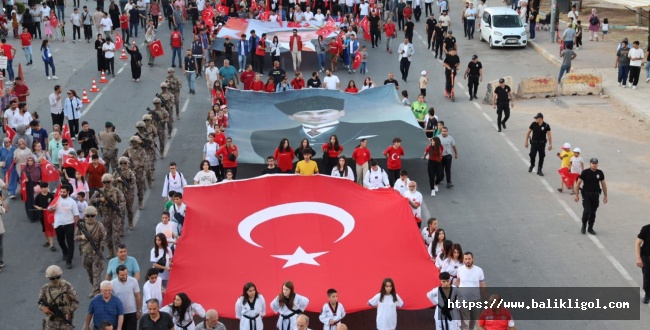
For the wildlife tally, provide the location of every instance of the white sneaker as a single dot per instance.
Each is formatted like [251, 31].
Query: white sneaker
[435, 187]
[48, 78]
[619, 85]
[624, 86]
[433, 192]
[633, 87]
[55, 77]
[647, 80]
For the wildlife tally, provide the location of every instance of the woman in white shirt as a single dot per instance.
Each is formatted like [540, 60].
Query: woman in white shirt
[367, 84]
[152, 288]
[159, 253]
[209, 153]
[455, 261]
[435, 248]
[109, 55]
[78, 184]
[342, 170]
[289, 305]
[446, 252]
[205, 176]
[275, 49]
[387, 301]
[250, 308]
[182, 311]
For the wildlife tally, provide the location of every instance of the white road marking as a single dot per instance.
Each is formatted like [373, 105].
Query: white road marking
[478, 106]
[187, 102]
[136, 216]
[169, 142]
[461, 86]
[102, 90]
[487, 117]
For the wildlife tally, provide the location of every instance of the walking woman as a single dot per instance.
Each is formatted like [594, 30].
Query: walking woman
[205, 176]
[72, 111]
[250, 308]
[289, 305]
[99, 44]
[433, 154]
[161, 257]
[48, 59]
[331, 152]
[136, 61]
[275, 50]
[387, 301]
[435, 248]
[182, 310]
[33, 178]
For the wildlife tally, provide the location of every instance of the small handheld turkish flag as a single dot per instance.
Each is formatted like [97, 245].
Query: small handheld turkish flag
[10, 132]
[73, 162]
[47, 215]
[156, 48]
[23, 187]
[8, 174]
[66, 135]
[280, 19]
[223, 9]
[357, 60]
[48, 172]
[119, 42]
[568, 178]
[253, 5]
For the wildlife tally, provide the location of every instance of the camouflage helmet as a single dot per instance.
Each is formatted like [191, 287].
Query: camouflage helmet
[155, 101]
[107, 177]
[135, 139]
[90, 210]
[53, 271]
[164, 85]
[140, 124]
[170, 70]
[146, 117]
[124, 158]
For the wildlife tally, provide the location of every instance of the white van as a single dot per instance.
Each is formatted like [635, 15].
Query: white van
[502, 27]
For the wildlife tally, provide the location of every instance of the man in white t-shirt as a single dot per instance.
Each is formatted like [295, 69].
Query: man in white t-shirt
[22, 117]
[66, 214]
[10, 112]
[636, 59]
[309, 15]
[174, 181]
[470, 18]
[331, 81]
[402, 184]
[415, 200]
[106, 25]
[319, 17]
[169, 228]
[471, 278]
[211, 75]
[364, 8]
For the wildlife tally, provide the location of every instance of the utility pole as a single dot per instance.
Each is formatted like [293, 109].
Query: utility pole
[553, 19]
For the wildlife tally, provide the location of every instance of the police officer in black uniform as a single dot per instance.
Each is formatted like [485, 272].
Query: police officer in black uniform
[449, 43]
[541, 130]
[437, 40]
[502, 100]
[475, 74]
[451, 63]
[642, 251]
[430, 27]
[591, 179]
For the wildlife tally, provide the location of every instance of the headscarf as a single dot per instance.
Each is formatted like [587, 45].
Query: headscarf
[33, 172]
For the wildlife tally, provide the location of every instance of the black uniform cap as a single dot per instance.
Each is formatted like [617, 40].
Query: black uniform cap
[313, 103]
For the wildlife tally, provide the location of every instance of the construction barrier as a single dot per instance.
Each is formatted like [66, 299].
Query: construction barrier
[542, 87]
[493, 84]
[582, 84]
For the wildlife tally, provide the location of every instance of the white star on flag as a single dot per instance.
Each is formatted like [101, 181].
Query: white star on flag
[300, 257]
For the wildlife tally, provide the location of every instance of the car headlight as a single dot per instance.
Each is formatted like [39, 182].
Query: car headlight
[496, 33]
[523, 34]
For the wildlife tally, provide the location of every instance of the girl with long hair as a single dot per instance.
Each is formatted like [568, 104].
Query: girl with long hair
[453, 262]
[205, 176]
[304, 145]
[289, 305]
[387, 301]
[48, 59]
[433, 155]
[182, 310]
[32, 173]
[331, 152]
[367, 84]
[78, 184]
[444, 254]
[161, 251]
[275, 49]
[284, 155]
[342, 170]
[352, 88]
[435, 248]
[250, 308]
[361, 156]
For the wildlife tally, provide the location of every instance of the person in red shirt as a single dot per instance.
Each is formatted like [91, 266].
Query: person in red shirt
[9, 52]
[176, 41]
[124, 25]
[284, 155]
[257, 85]
[335, 49]
[433, 154]
[222, 120]
[95, 172]
[352, 88]
[270, 85]
[298, 82]
[260, 52]
[219, 136]
[217, 94]
[26, 43]
[408, 11]
[247, 77]
[333, 150]
[497, 317]
[361, 156]
[20, 89]
[296, 50]
[394, 155]
[228, 155]
[389, 28]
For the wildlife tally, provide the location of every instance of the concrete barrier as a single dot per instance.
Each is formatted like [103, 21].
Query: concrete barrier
[493, 84]
[541, 87]
[582, 84]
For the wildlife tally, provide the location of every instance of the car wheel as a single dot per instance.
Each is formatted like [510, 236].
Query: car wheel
[490, 43]
[480, 36]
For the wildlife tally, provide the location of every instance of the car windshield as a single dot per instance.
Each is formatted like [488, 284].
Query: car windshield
[506, 21]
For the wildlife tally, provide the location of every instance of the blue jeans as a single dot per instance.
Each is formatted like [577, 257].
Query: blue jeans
[13, 182]
[180, 28]
[174, 52]
[362, 68]
[10, 69]
[133, 26]
[60, 12]
[647, 69]
[242, 61]
[191, 78]
[623, 71]
[28, 53]
[563, 69]
[532, 29]
[47, 68]
[321, 61]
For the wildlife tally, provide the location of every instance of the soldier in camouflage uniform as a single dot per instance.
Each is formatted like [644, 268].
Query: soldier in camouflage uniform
[109, 138]
[125, 181]
[92, 261]
[169, 102]
[59, 294]
[112, 205]
[160, 118]
[138, 158]
[150, 135]
[175, 87]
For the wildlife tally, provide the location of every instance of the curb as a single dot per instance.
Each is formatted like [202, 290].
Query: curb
[547, 55]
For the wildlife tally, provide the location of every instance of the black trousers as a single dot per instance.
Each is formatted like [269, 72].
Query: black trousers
[472, 84]
[259, 60]
[504, 109]
[428, 9]
[130, 322]
[37, 28]
[65, 237]
[218, 170]
[404, 65]
[446, 165]
[590, 202]
[110, 65]
[374, 37]
[400, 21]
[74, 127]
[646, 274]
[535, 148]
[393, 175]
[434, 169]
[429, 37]
[88, 32]
[58, 119]
[437, 47]
[635, 72]
[448, 84]
[76, 31]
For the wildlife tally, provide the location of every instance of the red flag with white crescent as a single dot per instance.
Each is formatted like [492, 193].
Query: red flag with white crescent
[73, 162]
[279, 19]
[568, 178]
[23, 187]
[357, 60]
[66, 135]
[10, 132]
[47, 215]
[253, 5]
[8, 174]
[224, 10]
[156, 48]
[118, 41]
[48, 172]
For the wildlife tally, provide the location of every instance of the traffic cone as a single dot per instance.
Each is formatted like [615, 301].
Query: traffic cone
[103, 79]
[123, 56]
[94, 88]
[160, 18]
[84, 98]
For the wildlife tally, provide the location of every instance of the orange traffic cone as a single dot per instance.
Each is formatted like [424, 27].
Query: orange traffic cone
[123, 56]
[84, 98]
[94, 88]
[103, 79]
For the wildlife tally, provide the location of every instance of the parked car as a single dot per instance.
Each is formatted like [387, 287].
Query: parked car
[502, 27]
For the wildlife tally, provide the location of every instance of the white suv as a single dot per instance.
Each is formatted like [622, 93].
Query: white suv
[502, 27]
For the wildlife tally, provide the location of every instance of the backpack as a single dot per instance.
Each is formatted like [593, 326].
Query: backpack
[594, 20]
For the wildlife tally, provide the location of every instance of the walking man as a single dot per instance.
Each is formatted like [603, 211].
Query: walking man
[642, 251]
[295, 46]
[66, 214]
[111, 204]
[502, 100]
[57, 294]
[567, 56]
[591, 179]
[474, 74]
[541, 132]
[448, 149]
[405, 52]
[91, 247]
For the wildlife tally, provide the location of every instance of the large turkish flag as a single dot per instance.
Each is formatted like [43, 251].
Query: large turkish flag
[318, 231]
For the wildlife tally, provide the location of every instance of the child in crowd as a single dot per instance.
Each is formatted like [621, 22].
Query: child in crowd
[170, 201]
[387, 301]
[62, 30]
[82, 204]
[423, 83]
[41, 202]
[332, 311]
[578, 34]
[48, 28]
[577, 163]
[152, 288]
[565, 156]
[405, 99]
[364, 59]
[605, 28]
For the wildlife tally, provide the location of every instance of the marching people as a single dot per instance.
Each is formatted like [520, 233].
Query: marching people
[593, 184]
[446, 316]
[57, 300]
[333, 311]
[386, 301]
[111, 205]
[183, 310]
[66, 215]
[105, 307]
[541, 133]
[502, 101]
[92, 237]
[288, 304]
[376, 177]
[250, 308]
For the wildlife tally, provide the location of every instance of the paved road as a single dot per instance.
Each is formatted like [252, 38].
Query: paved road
[522, 232]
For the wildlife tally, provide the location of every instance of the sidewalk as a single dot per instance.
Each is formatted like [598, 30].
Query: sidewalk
[600, 56]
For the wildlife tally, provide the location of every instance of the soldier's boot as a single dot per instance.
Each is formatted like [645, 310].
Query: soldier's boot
[140, 205]
[162, 152]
